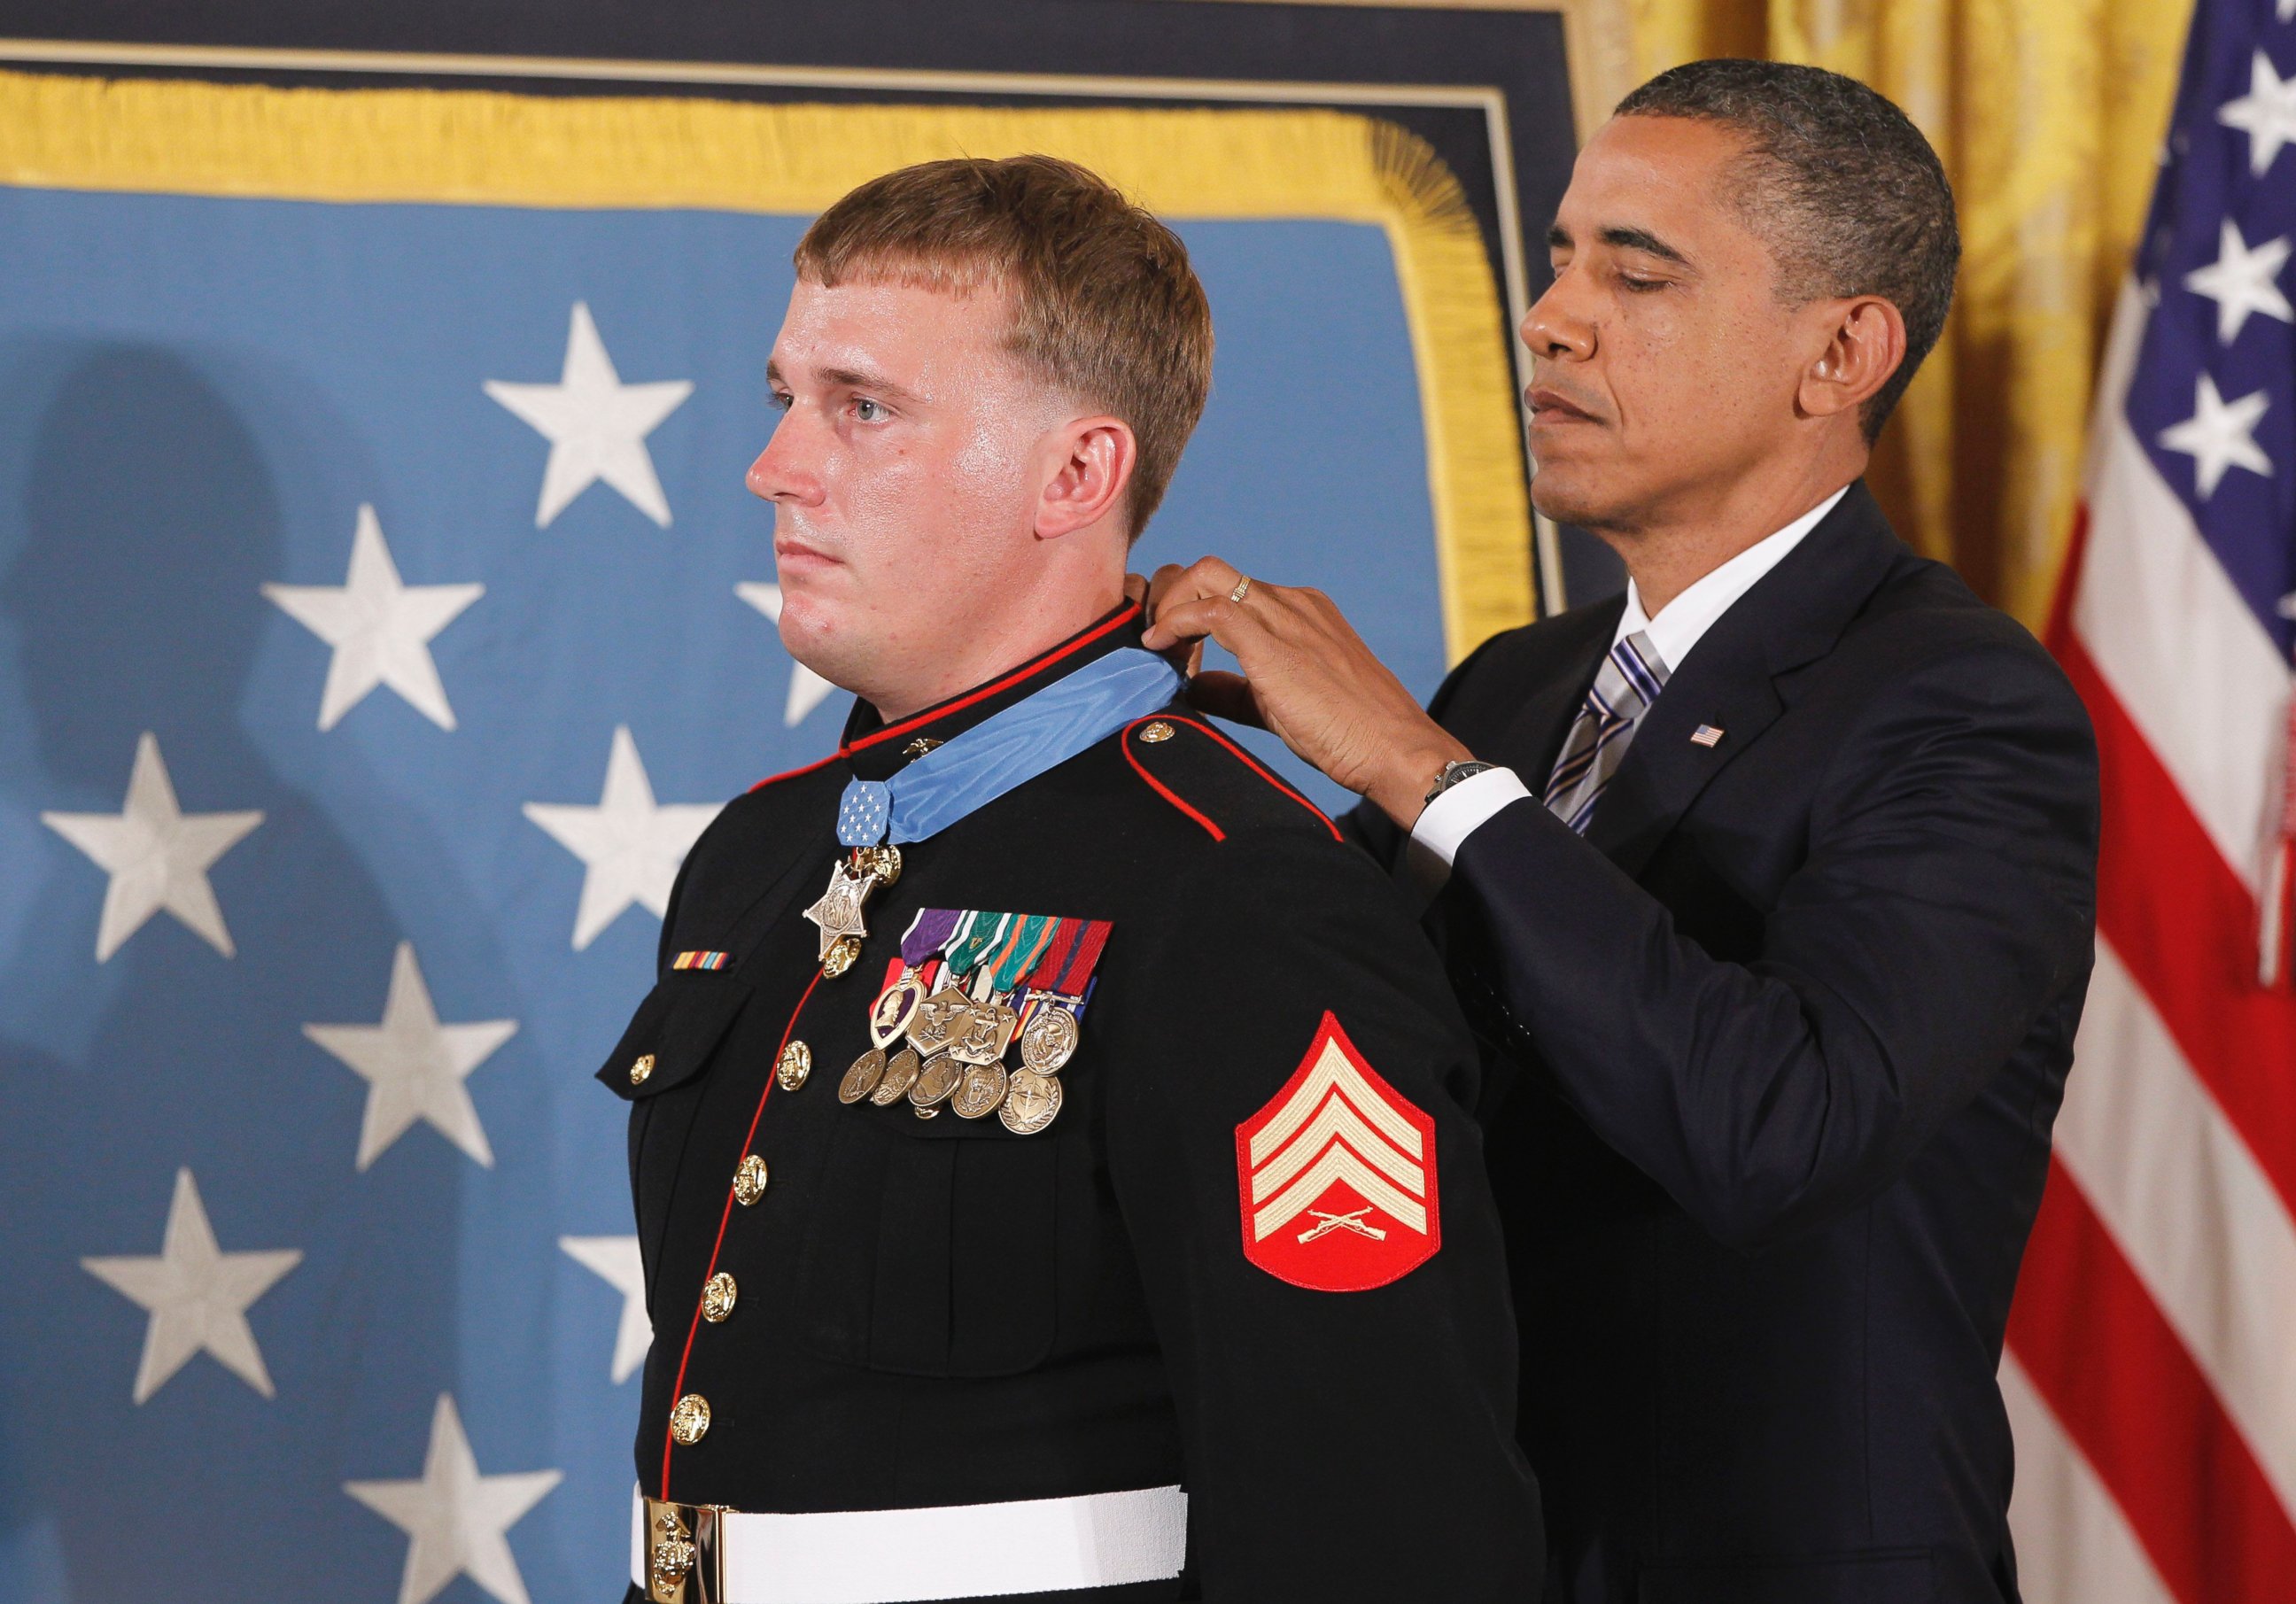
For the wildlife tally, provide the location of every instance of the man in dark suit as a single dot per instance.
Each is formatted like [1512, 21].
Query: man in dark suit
[1770, 884]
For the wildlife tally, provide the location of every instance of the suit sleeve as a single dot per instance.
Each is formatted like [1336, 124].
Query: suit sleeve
[1946, 897]
[1340, 1445]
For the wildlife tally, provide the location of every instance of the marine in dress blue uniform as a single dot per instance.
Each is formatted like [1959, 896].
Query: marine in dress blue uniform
[1231, 1321]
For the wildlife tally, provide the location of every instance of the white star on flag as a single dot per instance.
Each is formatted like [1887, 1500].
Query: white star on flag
[158, 855]
[2242, 280]
[2267, 113]
[805, 688]
[630, 845]
[2220, 435]
[414, 1066]
[596, 425]
[197, 1294]
[457, 1522]
[380, 629]
[616, 1260]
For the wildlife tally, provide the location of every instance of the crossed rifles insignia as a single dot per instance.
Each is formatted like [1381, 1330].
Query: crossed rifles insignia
[1337, 1174]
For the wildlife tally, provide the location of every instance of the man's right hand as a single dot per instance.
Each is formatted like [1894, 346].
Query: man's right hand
[1307, 677]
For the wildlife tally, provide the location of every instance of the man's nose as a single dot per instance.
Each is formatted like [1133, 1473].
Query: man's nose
[787, 469]
[1557, 325]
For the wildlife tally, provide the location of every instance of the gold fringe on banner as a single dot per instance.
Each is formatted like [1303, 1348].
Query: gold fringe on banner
[484, 148]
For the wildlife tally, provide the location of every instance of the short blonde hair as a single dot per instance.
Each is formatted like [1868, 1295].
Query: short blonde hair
[1105, 305]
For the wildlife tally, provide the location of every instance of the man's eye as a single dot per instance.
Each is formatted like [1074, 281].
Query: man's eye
[779, 400]
[1641, 286]
[868, 410]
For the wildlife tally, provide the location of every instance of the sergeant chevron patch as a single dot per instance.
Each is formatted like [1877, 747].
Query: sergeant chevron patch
[1336, 1175]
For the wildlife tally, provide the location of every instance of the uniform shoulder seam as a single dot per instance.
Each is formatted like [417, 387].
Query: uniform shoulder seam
[1132, 736]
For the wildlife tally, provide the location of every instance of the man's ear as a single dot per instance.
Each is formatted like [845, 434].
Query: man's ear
[1092, 462]
[1865, 346]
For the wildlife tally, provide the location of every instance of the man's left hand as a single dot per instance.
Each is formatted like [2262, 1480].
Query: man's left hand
[1307, 677]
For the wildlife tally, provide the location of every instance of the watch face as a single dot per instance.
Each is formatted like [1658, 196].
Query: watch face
[1453, 773]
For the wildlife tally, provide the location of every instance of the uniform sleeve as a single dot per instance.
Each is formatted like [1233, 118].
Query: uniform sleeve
[1316, 1237]
[1948, 896]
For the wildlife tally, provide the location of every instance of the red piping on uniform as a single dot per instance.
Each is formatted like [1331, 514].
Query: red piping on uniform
[1251, 763]
[1160, 788]
[805, 769]
[677, 1389]
[932, 715]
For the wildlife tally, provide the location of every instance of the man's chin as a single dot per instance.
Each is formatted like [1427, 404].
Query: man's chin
[816, 638]
[1569, 494]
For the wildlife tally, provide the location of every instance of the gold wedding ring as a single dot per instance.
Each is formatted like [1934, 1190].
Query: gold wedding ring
[1243, 589]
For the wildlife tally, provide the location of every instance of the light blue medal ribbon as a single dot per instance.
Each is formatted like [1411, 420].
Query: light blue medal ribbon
[1009, 750]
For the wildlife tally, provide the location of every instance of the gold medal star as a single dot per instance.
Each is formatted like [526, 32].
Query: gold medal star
[838, 914]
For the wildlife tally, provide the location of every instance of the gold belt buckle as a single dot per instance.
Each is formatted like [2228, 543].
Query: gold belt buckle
[684, 1558]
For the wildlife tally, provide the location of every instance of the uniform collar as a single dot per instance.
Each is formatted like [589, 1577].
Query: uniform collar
[876, 749]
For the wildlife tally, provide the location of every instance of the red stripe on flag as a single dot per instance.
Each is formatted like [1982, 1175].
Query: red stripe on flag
[2186, 926]
[2131, 1399]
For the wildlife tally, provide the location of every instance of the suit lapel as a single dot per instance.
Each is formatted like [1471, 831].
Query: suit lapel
[1794, 615]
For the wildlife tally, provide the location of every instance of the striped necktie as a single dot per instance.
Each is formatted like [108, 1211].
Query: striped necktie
[1630, 680]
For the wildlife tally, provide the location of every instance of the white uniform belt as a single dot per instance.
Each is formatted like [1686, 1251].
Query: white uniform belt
[954, 1551]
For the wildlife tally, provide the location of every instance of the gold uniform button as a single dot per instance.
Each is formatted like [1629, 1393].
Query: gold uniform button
[750, 1179]
[1153, 733]
[718, 1295]
[641, 1069]
[689, 1420]
[797, 1063]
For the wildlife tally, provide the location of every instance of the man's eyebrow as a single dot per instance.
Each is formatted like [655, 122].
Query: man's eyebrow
[856, 379]
[1642, 240]
[843, 379]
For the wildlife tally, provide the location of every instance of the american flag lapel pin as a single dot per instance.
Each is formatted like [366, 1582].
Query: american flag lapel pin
[1706, 735]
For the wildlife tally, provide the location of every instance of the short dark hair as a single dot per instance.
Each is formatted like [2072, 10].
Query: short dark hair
[1843, 185]
[1104, 303]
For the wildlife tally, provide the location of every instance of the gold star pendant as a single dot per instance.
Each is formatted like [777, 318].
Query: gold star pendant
[838, 914]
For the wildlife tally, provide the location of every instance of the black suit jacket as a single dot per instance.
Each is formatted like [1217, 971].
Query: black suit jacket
[1786, 1033]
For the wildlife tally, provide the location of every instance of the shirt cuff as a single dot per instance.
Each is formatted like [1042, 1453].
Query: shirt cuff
[1445, 824]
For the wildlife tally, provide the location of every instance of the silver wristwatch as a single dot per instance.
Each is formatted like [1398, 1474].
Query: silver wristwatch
[1453, 773]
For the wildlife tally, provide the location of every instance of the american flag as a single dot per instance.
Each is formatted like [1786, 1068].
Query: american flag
[2152, 1366]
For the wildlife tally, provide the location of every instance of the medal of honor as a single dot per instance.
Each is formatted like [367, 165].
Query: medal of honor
[838, 914]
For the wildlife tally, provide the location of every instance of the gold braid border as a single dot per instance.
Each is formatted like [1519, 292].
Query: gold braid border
[484, 148]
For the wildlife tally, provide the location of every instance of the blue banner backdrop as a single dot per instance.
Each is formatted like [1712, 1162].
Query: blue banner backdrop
[342, 771]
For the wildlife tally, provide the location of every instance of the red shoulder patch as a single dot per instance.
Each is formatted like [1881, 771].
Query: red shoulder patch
[1336, 1175]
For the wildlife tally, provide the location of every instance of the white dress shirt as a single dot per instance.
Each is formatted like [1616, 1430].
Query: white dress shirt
[1445, 824]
